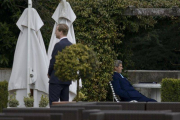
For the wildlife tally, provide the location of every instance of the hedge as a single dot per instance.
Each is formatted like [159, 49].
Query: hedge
[170, 90]
[3, 95]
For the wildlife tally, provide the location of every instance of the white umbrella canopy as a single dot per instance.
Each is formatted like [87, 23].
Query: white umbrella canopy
[64, 14]
[38, 61]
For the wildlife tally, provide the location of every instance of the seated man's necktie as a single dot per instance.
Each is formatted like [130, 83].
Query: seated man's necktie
[121, 76]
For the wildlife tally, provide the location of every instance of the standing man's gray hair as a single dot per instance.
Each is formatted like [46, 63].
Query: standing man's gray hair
[117, 62]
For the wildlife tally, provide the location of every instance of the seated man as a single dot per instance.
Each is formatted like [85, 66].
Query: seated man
[123, 88]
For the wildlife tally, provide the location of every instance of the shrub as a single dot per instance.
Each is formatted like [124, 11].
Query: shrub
[44, 101]
[96, 27]
[170, 90]
[13, 102]
[3, 95]
[75, 62]
[82, 97]
[28, 101]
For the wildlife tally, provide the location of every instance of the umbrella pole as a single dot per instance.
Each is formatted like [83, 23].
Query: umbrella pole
[28, 55]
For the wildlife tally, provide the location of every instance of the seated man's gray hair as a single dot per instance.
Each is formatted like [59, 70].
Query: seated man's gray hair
[117, 62]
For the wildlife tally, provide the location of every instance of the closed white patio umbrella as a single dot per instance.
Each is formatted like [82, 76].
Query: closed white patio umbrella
[30, 63]
[64, 14]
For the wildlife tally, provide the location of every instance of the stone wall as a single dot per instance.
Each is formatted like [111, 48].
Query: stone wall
[136, 76]
[5, 74]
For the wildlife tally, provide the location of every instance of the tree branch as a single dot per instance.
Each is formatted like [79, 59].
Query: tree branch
[174, 64]
[176, 50]
[20, 6]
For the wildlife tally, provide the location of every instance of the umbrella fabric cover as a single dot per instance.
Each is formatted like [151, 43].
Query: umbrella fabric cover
[38, 58]
[64, 15]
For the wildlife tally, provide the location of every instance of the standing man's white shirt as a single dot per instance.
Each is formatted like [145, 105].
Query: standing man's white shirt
[62, 38]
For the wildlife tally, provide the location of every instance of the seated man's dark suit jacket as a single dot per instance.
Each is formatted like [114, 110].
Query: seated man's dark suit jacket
[51, 72]
[126, 91]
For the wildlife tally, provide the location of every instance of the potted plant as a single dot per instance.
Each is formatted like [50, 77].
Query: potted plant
[13, 102]
[29, 101]
[75, 62]
[44, 101]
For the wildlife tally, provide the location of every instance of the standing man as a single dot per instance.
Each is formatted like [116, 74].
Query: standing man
[58, 89]
[123, 88]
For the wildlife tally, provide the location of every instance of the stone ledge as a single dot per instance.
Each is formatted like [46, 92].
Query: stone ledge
[136, 76]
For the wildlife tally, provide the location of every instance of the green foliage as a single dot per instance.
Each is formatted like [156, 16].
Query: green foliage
[170, 90]
[77, 57]
[13, 102]
[79, 61]
[29, 101]
[8, 30]
[95, 27]
[11, 10]
[101, 24]
[82, 97]
[44, 101]
[156, 42]
[3, 95]
[6, 43]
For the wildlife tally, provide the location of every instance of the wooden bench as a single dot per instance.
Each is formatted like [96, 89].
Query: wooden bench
[174, 106]
[68, 113]
[13, 118]
[90, 106]
[126, 105]
[135, 115]
[26, 116]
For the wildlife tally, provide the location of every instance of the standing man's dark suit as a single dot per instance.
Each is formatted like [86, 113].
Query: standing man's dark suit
[57, 88]
[126, 91]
